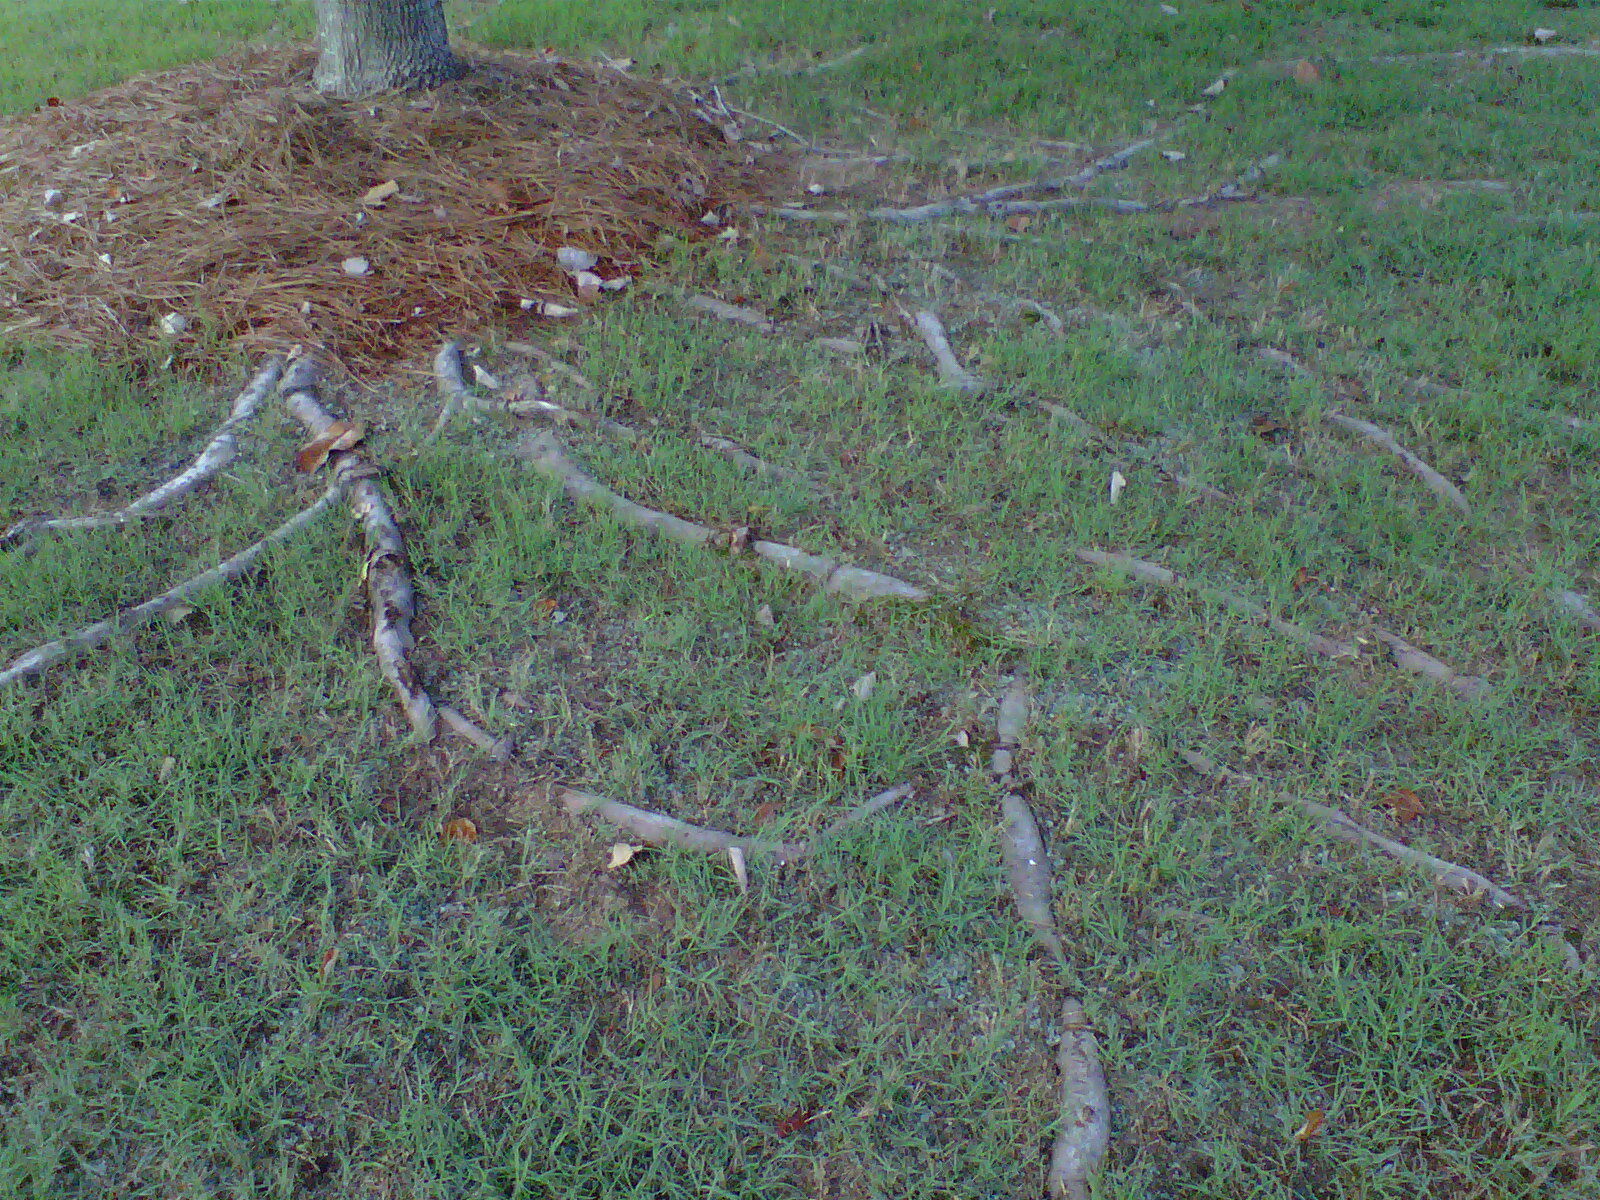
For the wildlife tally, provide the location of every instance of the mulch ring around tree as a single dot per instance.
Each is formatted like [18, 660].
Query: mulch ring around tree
[229, 200]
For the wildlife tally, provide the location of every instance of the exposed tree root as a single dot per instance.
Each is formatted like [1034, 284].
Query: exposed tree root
[219, 451]
[547, 456]
[724, 311]
[1462, 880]
[1094, 434]
[1021, 845]
[756, 466]
[1458, 879]
[390, 594]
[1408, 658]
[86, 639]
[1149, 572]
[565, 370]
[961, 206]
[1436, 483]
[1115, 161]
[1084, 1132]
[1579, 606]
[951, 373]
[1084, 1135]
[661, 830]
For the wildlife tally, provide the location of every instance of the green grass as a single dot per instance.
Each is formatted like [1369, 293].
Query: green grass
[195, 817]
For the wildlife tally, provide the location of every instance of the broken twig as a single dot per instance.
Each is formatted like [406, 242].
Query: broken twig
[219, 451]
[547, 456]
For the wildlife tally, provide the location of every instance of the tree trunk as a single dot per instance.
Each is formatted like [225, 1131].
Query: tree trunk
[371, 46]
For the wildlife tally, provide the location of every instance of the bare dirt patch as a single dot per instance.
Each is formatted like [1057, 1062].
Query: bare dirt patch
[232, 194]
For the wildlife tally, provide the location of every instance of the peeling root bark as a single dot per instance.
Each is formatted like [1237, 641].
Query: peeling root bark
[1149, 572]
[951, 373]
[1436, 483]
[1458, 879]
[388, 575]
[658, 829]
[1085, 1132]
[218, 453]
[547, 456]
[86, 639]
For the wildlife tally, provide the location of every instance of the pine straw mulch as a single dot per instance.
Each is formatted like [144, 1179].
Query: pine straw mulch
[231, 193]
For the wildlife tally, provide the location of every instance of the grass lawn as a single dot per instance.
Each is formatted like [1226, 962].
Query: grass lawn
[237, 960]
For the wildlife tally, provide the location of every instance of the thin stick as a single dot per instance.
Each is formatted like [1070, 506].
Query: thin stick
[1149, 572]
[219, 451]
[1084, 1135]
[1436, 483]
[547, 456]
[390, 594]
[1458, 879]
[951, 373]
[86, 639]
[1408, 658]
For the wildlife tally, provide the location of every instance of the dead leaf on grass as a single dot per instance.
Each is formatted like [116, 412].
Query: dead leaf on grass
[1307, 72]
[801, 1117]
[458, 829]
[1407, 806]
[1018, 222]
[1267, 427]
[377, 195]
[329, 957]
[622, 853]
[341, 435]
[1309, 1127]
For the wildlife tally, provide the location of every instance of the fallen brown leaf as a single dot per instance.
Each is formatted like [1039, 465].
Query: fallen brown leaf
[1406, 804]
[1018, 222]
[1307, 72]
[458, 829]
[1267, 428]
[1313, 1122]
[622, 854]
[341, 435]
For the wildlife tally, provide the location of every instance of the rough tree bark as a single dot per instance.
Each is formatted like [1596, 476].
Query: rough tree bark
[371, 46]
